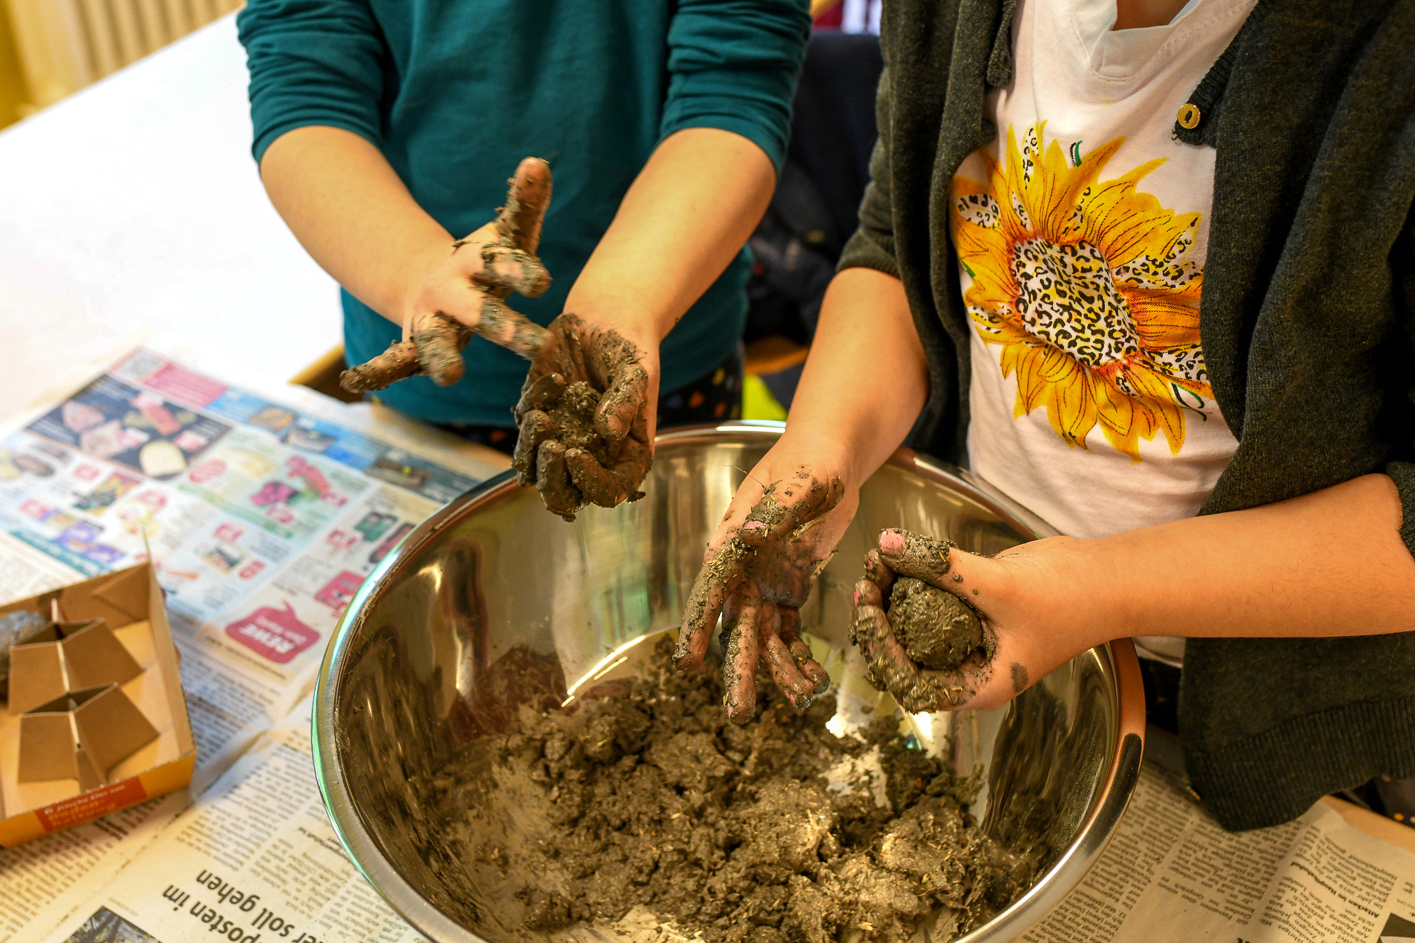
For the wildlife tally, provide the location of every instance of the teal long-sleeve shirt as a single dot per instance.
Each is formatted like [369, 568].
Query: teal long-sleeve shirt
[456, 92]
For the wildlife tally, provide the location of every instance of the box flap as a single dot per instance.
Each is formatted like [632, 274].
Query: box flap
[88, 774]
[167, 662]
[68, 627]
[36, 675]
[93, 656]
[120, 598]
[110, 728]
[47, 747]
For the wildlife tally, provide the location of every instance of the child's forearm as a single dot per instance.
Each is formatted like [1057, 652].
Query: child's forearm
[1329, 563]
[352, 213]
[687, 214]
[866, 378]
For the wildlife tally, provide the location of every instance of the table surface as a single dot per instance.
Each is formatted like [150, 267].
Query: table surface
[133, 213]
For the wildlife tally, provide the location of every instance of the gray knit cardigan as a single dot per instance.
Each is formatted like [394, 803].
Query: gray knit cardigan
[1306, 322]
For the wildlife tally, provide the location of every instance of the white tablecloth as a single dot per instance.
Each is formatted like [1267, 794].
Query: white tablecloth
[133, 213]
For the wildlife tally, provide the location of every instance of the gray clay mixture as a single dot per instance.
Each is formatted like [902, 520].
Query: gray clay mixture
[647, 797]
[937, 629]
[15, 628]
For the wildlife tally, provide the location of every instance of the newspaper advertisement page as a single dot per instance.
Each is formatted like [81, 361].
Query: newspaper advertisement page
[254, 860]
[1172, 875]
[262, 521]
[28, 574]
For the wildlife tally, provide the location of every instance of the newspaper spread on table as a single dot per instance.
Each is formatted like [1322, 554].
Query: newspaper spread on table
[262, 521]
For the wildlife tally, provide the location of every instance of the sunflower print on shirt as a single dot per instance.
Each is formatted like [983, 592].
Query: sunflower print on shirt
[1086, 286]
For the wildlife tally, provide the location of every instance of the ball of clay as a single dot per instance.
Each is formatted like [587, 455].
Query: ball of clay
[572, 419]
[937, 629]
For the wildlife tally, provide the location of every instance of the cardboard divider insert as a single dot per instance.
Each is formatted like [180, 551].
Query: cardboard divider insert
[113, 727]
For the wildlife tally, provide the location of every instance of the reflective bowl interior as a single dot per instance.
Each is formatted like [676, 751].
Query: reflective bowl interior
[412, 677]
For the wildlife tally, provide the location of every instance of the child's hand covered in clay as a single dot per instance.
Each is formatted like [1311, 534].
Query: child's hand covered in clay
[463, 294]
[1033, 601]
[585, 417]
[757, 572]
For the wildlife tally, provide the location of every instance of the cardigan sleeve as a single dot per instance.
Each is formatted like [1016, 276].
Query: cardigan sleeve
[732, 65]
[872, 245]
[1402, 472]
[312, 62]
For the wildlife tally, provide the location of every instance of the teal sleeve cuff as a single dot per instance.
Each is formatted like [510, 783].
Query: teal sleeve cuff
[733, 65]
[312, 62]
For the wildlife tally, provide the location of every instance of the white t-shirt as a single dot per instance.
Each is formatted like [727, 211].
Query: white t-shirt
[1081, 234]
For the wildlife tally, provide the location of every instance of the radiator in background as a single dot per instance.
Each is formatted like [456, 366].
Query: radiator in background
[64, 45]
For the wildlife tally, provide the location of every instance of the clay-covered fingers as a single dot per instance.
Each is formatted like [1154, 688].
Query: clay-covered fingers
[888, 666]
[635, 458]
[510, 329]
[789, 504]
[464, 294]
[609, 487]
[741, 621]
[434, 349]
[504, 269]
[519, 221]
[439, 339]
[779, 660]
[722, 573]
[534, 429]
[790, 631]
[909, 554]
[624, 402]
[540, 393]
[398, 362]
[553, 481]
[878, 573]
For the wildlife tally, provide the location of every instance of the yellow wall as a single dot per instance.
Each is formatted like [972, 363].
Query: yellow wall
[12, 83]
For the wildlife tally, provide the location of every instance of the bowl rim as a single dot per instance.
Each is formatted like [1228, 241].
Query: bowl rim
[1119, 660]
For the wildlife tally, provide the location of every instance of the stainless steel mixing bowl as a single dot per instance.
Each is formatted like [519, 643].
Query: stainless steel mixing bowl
[406, 682]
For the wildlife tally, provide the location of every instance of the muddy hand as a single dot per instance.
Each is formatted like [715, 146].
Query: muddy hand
[464, 295]
[890, 666]
[583, 418]
[757, 573]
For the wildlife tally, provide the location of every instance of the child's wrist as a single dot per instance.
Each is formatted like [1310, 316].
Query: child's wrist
[418, 268]
[1111, 613]
[820, 447]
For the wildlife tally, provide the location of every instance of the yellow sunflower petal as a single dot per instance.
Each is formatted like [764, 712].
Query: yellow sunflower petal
[1021, 360]
[1056, 365]
[1125, 223]
[1040, 196]
[1072, 410]
[985, 253]
[1068, 226]
[1161, 321]
[1153, 390]
[1024, 358]
[1121, 418]
[1055, 192]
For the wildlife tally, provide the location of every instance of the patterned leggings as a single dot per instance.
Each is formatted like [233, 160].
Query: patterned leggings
[716, 396]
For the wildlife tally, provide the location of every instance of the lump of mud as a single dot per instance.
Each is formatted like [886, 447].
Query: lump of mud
[15, 629]
[648, 799]
[572, 420]
[937, 629]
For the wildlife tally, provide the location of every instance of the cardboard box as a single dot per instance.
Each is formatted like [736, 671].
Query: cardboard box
[68, 656]
[93, 744]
